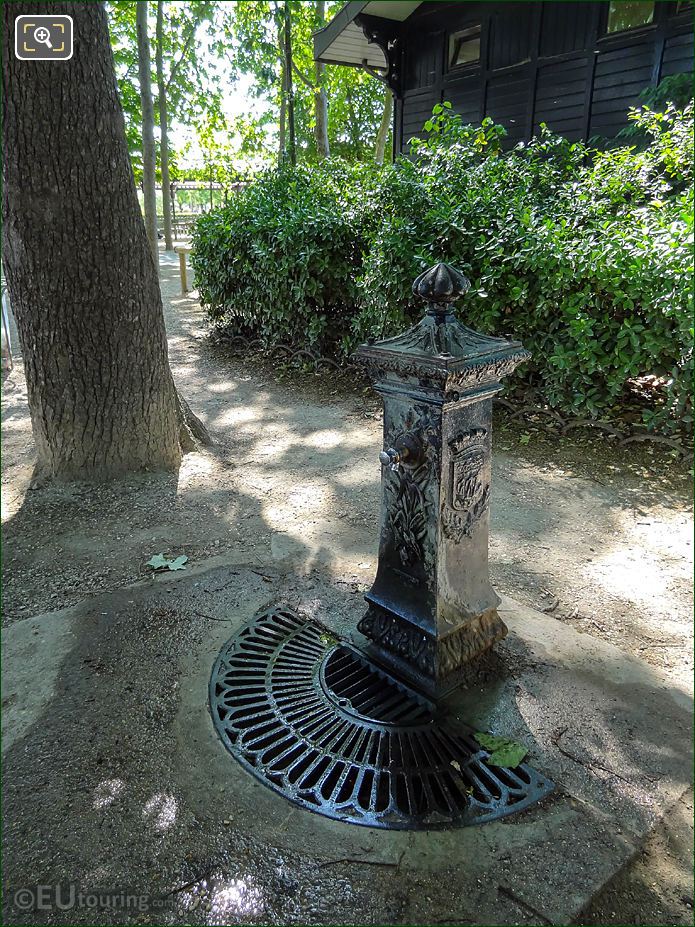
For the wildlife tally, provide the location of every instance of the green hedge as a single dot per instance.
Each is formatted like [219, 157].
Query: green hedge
[586, 256]
[280, 260]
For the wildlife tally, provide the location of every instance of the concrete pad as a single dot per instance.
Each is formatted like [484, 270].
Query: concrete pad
[136, 788]
[24, 647]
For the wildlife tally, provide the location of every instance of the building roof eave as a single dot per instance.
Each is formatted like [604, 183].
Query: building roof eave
[342, 40]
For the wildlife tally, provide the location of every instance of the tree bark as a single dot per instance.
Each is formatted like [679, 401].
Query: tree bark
[81, 279]
[149, 158]
[352, 126]
[289, 84]
[323, 149]
[282, 139]
[384, 126]
[162, 104]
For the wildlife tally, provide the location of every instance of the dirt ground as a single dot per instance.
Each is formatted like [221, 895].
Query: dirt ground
[600, 538]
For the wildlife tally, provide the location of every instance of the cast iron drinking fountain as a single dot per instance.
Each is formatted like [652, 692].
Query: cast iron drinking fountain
[362, 733]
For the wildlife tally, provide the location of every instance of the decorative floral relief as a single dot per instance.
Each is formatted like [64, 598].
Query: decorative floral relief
[407, 518]
[409, 493]
[378, 368]
[435, 658]
[485, 371]
[473, 374]
[399, 637]
[464, 645]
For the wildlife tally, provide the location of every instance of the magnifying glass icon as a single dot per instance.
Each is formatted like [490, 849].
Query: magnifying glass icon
[43, 36]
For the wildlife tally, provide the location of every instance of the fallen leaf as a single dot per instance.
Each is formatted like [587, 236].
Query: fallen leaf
[160, 562]
[503, 752]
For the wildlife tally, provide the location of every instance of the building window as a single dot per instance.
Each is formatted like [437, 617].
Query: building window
[464, 47]
[629, 14]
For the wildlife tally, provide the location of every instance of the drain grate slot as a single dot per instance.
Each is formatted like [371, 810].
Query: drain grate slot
[318, 723]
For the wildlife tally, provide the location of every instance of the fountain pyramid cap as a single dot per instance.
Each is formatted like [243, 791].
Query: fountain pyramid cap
[440, 349]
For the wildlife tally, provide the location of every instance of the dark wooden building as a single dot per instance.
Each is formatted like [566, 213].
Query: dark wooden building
[576, 66]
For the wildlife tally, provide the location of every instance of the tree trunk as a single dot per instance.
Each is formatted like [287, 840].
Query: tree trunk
[289, 83]
[352, 126]
[282, 140]
[149, 160]
[384, 126]
[323, 149]
[163, 129]
[81, 279]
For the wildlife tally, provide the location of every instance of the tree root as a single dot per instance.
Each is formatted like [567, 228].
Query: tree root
[192, 432]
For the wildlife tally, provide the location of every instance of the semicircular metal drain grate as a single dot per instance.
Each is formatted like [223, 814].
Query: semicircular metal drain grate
[314, 720]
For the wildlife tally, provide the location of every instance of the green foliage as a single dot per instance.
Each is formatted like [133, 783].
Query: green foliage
[446, 128]
[125, 56]
[279, 260]
[355, 98]
[193, 90]
[585, 256]
[676, 89]
[207, 44]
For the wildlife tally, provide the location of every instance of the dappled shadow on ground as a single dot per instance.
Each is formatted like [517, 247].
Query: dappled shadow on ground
[294, 474]
[294, 480]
